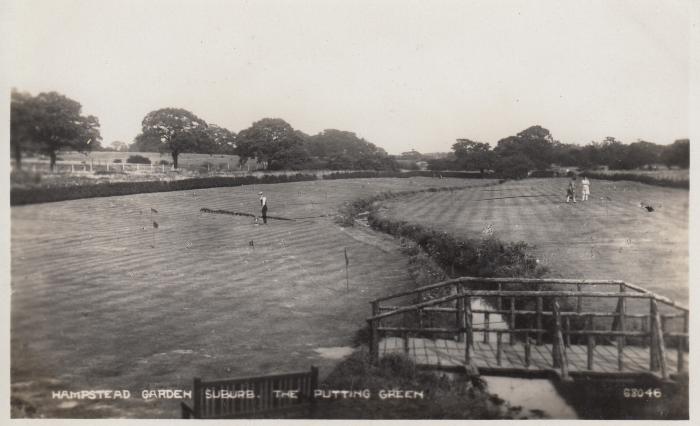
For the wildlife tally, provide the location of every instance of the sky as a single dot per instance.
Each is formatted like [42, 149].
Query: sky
[401, 74]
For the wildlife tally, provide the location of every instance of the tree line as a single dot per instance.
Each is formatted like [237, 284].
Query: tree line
[536, 149]
[50, 122]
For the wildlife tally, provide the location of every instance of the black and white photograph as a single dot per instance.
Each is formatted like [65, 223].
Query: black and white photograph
[348, 210]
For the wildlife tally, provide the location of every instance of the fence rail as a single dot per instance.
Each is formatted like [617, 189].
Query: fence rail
[544, 314]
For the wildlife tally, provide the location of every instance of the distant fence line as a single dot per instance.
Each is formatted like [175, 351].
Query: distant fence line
[88, 166]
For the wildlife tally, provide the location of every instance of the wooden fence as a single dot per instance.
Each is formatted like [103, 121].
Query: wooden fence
[539, 312]
[252, 397]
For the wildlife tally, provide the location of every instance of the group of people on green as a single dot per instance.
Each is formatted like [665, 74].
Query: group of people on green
[571, 190]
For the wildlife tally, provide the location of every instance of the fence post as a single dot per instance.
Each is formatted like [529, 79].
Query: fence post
[527, 349]
[556, 350]
[661, 344]
[374, 335]
[590, 350]
[500, 298]
[312, 386]
[197, 396]
[498, 348]
[512, 319]
[487, 334]
[682, 342]
[461, 324]
[579, 302]
[621, 328]
[539, 320]
[470, 336]
[653, 338]
[561, 349]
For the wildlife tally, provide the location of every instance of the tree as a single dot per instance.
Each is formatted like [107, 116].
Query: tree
[473, 155]
[613, 153]
[146, 143]
[344, 150]
[22, 111]
[534, 143]
[677, 154]
[178, 131]
[642, 153]
[514, 166]
[223, 139]
[274, 142]
[57, 124]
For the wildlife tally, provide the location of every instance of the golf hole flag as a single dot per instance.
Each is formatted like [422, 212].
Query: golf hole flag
[347, 261]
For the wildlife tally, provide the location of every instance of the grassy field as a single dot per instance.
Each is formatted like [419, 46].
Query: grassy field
[610, 236]
[95, 306]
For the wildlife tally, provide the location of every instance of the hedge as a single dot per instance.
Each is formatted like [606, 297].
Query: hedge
[21, 196]
[485, 257]
[393, 174]
[648, 179]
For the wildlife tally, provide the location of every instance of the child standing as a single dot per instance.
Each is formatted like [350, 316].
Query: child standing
[585, 188]
[571, 190]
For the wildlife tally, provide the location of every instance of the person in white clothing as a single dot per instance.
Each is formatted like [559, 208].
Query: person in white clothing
[585, 188]
[263, 204]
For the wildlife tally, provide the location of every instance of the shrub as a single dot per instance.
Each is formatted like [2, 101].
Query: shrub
[22, 177]
[390, 174]
[117, 160]
[163, 163]
[138, 159]
[486, 257]
[642, 178]
[20, 196]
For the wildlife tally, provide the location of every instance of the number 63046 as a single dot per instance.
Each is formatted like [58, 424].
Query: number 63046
[642, 393]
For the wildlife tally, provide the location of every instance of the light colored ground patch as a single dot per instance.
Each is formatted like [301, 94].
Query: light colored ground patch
[335, 353]
[531, 394]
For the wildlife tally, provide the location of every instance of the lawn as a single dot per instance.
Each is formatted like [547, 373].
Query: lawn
[610, 236]
[97, 305]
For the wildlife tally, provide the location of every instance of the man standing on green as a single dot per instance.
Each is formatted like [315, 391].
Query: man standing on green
[263, 204]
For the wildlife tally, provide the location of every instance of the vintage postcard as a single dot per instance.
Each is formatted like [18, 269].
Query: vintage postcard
[373, 210]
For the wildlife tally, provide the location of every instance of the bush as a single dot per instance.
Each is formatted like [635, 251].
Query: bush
[20, 196]
[647, 179]
[163, 163]
[486, 257]
[117, 160]
[23, 177]
[138, 159]
[392, 174]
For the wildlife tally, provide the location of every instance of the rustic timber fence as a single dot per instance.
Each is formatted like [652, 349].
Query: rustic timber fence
[252, 397]
[557, 325]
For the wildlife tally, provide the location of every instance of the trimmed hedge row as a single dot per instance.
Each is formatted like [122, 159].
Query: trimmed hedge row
[393, 174]
[21, 196]
[648, 179]
[485, 257]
